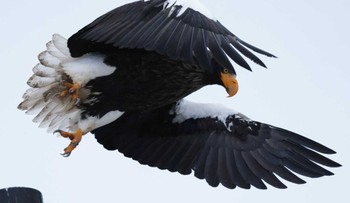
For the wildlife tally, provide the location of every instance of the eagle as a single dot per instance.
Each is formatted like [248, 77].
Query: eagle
[124, 77]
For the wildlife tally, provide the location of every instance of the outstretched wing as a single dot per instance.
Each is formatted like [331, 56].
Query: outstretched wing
[223, 147]
[178, 31]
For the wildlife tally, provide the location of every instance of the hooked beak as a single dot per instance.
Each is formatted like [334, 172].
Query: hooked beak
[230, 83]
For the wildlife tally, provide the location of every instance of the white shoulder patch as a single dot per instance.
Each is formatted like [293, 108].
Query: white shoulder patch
[186, 110]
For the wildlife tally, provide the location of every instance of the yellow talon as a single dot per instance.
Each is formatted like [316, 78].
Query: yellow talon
[75, 140]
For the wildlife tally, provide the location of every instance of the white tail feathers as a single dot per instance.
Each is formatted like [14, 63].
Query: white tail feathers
[37, 81]
[48, 98]
[44, 71]
[61, 44]
[43, 98]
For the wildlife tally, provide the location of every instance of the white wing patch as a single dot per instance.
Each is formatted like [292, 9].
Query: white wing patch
[56, 67]
[186, 110]
[193, 4]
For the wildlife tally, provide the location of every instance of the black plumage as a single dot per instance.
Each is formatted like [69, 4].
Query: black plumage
[123, 78]
[143, 81]
[148, 41]
[146, 25]
[237, 152]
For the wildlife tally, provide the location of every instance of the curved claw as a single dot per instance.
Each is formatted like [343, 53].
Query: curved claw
[67, 154]
[57, 131]
[77, 101]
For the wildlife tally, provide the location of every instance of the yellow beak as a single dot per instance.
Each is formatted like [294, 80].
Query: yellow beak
[230, 83]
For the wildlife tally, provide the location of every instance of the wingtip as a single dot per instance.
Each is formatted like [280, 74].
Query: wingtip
[328, 150]
[247, 67]
[260, 63]
[270, 55]
[329, 173]
[336, 165]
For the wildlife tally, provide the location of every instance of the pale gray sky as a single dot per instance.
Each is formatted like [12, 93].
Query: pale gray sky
[305, 90]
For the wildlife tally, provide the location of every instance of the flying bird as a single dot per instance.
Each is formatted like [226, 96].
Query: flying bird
[124, 77]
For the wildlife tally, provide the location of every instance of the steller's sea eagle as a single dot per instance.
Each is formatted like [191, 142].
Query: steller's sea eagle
[123, 78]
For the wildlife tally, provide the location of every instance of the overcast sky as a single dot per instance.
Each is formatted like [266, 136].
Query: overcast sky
[305, 90]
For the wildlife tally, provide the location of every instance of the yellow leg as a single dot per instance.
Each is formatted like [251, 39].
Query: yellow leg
[75, 140]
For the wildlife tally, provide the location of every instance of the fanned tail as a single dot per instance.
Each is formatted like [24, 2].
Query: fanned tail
[43, 99]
